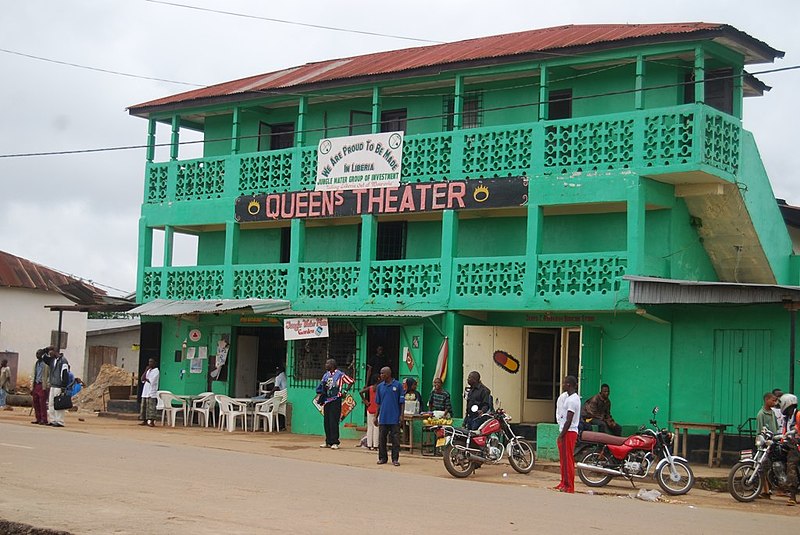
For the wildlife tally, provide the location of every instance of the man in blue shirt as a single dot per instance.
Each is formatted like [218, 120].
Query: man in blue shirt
[390, 398]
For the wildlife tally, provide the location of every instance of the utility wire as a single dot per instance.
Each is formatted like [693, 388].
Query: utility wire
[97, 69]
[421, 117]
[296, 23]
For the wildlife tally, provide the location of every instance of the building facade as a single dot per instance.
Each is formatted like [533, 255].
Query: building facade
[546, 178]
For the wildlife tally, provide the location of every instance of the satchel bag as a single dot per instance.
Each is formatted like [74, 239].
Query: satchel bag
[62, 401]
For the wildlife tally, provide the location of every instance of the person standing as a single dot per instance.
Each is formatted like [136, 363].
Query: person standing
[59, 378]
[439, 399]
[149, 402]
[568, 409]
[791, 424]
[597, 411]
[373, 430]
[5, 384]
[777, 392]
[766, 416]
[39, 389]
[478, 395]
[331, 389]
[390, 398]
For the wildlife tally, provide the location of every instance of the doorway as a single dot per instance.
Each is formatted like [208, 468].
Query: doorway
[551, 355]
[259, 350]
[383, 349]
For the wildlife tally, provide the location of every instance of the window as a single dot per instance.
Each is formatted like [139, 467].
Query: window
[286, 243]
[360, 123]
[310, 354]
[560, 104]
[718, 89]
[54, 339]
[391, 241]
[471, 114]
[394, 120]
[275, 136]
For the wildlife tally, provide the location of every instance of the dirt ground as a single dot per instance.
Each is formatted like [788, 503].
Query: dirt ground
[305, 447]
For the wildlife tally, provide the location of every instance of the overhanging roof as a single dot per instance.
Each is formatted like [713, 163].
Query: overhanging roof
[168, 307]
[358, 313]
[658, 291]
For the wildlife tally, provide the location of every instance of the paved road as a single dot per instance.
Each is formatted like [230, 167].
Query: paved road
[90, 484]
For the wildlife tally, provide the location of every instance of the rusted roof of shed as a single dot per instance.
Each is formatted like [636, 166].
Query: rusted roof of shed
[532, 44]
[16, 272]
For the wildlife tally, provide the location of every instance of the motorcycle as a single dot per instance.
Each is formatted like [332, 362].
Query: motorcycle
[633, 457]
[746, 478]
[465, 450]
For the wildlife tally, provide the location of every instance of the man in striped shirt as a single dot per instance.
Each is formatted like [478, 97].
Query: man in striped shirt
[331, 389]
[439, 399]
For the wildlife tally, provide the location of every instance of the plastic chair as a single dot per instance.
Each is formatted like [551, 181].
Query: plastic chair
[262, 386]
[166, 401]
[263, 413]
[229, 410]
[272, 408]
[203, 405]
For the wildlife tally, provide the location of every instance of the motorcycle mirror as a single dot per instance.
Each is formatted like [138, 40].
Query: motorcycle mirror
[474, 408]
[655, 410]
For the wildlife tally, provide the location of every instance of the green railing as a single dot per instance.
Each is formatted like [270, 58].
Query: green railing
[572, 281]
[664, 140]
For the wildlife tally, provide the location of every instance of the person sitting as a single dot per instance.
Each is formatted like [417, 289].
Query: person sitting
[597, 411]
[479, 396]
[413, 397]
[439, 399]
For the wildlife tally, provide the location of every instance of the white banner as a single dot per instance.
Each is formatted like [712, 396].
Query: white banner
[299, 328]
[360, 162]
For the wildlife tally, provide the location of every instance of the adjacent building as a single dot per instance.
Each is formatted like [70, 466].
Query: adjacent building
[572, 200]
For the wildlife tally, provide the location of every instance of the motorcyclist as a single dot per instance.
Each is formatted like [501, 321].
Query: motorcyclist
[479, 395]
[791, 430]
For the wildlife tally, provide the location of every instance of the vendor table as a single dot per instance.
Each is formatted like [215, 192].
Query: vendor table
[714, 446]
[407, 426]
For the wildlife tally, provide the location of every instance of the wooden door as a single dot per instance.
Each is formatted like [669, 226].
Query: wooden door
[99, 355]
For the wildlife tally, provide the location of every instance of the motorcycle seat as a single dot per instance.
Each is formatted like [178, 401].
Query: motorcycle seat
[602, 438]
[464, 430]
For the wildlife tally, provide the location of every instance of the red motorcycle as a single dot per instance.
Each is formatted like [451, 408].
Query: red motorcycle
[632, 457]
[465, 450]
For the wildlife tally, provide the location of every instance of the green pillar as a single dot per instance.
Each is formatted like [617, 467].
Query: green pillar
[738, 91]
[169, 235]
[369, 235]
[297, 250]
[299, 141]
[145, 255]
[449, 251]
[231, 259]
[699, 75]
[533, 246]
[636, 226]
[151, 140]
[376, 110]
[176, 136]
[236, 130]
[640, 72]
[543, 93]
[458, 103]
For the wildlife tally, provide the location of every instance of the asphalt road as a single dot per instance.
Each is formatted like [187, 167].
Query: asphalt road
[89, 484]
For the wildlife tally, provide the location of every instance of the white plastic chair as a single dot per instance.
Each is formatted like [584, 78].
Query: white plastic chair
[229, 410]
[203, 405]
[270, 409]
[166, 400]
[262, 386]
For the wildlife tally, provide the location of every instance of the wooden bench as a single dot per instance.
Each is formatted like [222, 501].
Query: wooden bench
[714, 447]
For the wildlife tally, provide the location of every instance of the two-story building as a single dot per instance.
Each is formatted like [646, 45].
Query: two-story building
[572, 200]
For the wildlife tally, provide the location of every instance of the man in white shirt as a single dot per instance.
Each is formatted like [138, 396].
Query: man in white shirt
[568, 410]
[149, 402]
[280, 379]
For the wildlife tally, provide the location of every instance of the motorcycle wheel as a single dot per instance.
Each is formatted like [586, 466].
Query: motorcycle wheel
[520, 455]
[684, 482]
[456, 462]
[738, 486]
[590, 478]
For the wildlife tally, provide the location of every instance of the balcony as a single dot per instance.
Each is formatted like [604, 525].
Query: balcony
[587, 281]
[662, 142]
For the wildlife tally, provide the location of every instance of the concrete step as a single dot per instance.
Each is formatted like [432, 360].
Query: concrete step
[123, 406]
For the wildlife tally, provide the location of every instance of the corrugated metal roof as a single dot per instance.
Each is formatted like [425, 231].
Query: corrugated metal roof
[657, 291]
[358, 313]
[541, 42]
[168, 307]
[103, 326]
[17, 272]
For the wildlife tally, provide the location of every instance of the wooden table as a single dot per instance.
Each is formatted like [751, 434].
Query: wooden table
[714, 446]
[408, 431]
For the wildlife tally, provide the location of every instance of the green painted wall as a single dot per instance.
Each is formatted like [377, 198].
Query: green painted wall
[260, 246]
[211, 248]
[332, 244]
[424, 239]
[584, 233]
[491, 236]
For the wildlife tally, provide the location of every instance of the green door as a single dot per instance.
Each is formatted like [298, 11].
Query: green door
[743, 371]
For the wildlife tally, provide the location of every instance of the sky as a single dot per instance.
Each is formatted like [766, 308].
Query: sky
[79, 213]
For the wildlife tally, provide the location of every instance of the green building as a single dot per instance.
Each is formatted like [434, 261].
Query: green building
[572, 200]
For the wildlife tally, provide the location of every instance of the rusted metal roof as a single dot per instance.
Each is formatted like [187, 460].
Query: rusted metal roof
[541, 43]
[16, 272]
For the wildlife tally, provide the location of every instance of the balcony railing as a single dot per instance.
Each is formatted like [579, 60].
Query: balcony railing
[566, 281]
[664, 140]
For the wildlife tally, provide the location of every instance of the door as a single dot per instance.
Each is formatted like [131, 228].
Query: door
[246, 366]
[743, 371]
[99, 355]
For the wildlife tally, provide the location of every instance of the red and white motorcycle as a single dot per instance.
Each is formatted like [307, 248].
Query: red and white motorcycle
[632, 458]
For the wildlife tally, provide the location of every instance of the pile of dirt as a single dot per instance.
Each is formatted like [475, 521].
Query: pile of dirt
[91, 397]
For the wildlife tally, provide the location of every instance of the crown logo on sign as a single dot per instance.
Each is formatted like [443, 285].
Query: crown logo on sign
[253, 207]
[480, 194]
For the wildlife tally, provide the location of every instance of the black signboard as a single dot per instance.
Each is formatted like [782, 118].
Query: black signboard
[404, 199]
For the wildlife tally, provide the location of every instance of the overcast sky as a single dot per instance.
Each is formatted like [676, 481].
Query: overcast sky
[79, 213]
